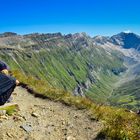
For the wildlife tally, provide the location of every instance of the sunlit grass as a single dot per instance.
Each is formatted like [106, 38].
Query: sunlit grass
[10, 109]
[118, 123]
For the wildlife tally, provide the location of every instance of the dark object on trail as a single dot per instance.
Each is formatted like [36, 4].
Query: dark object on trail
[7, 85]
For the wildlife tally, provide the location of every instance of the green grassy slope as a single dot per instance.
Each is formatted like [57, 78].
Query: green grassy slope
[118, 124]
[64, 67]
[127, 95]
[68, 62]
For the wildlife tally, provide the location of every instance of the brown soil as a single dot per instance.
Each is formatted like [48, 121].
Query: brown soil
[46, 120]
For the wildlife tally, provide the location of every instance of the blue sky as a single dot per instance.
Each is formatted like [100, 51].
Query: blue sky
[96, 17]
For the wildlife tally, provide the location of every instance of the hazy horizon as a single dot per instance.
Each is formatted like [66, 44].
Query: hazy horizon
[126, 31]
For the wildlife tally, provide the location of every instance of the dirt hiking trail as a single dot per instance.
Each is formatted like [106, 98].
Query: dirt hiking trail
[42, 119]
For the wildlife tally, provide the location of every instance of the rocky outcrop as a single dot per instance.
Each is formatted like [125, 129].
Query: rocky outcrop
[82, 87]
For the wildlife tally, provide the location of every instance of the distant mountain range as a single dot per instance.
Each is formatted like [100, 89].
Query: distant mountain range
[105, 69]
[123, 39]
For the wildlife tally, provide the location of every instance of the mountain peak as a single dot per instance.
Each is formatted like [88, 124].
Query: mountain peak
[127, 40]
[127, 31]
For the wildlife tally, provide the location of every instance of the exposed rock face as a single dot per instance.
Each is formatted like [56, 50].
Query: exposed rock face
[127, 40]
[123, 39]
[82, 87]
[101, 40]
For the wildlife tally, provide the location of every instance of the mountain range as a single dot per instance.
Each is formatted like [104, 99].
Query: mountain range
[104, 69]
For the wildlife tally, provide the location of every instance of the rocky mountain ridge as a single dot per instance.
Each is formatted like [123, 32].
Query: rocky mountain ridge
[77, 62]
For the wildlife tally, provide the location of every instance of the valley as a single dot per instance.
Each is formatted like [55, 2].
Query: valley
[99, 68]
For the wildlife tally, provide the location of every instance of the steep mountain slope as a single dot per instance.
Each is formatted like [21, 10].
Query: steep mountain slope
[93, 67]
[125, 92]
[127, 40]
[55, 66]
[71, 62]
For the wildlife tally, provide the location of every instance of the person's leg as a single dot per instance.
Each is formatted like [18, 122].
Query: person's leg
[5, 96]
